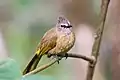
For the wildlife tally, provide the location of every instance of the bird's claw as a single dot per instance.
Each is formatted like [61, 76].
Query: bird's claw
[66, 55]
[58, 58]
[49, 55]
[58, 61]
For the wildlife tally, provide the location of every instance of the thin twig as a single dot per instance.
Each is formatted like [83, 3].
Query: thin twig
[72, 55]
[96, 46]
[41, 68]
[69, 55]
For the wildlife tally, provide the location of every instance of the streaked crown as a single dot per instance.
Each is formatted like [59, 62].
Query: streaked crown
[63, 22]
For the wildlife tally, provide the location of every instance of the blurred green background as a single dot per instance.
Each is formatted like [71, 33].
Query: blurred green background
[23, 23]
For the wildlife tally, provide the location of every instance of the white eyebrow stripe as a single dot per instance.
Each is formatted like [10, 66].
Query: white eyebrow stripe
[65, 24]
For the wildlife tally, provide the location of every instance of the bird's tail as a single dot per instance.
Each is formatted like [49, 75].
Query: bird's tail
[32, 64]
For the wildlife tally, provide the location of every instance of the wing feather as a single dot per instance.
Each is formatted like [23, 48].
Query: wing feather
[48, 42]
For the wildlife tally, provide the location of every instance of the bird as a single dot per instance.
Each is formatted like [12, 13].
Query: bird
[58, 40]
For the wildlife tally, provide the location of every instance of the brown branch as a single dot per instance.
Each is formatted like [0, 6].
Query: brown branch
[72, 55]
[96, 46]
[69, 55]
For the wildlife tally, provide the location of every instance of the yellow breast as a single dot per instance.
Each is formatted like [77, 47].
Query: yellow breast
[65, 43]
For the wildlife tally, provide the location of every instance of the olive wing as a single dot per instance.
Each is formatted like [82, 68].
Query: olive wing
[48, 42]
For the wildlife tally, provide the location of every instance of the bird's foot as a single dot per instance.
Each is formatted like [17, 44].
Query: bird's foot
[49, 55]
[63, 55]
[58, 59]
[55, 56]
[66, 55]
[58, 56]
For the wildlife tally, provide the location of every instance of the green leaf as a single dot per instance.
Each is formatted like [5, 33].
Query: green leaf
[9, 70]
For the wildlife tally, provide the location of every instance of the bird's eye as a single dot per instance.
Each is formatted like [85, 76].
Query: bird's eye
[66, 26]
[69, 26]
[63, 26]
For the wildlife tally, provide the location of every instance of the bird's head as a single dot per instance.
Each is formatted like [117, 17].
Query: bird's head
[63, 22]
[63, 25]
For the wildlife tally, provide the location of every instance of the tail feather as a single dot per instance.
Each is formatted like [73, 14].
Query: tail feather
[32, 64]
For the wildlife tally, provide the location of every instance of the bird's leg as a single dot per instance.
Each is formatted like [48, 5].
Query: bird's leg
[58, 58]
[55, 56]
[49, 55]
[63, 55]
[66, 55]
[58, 55]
